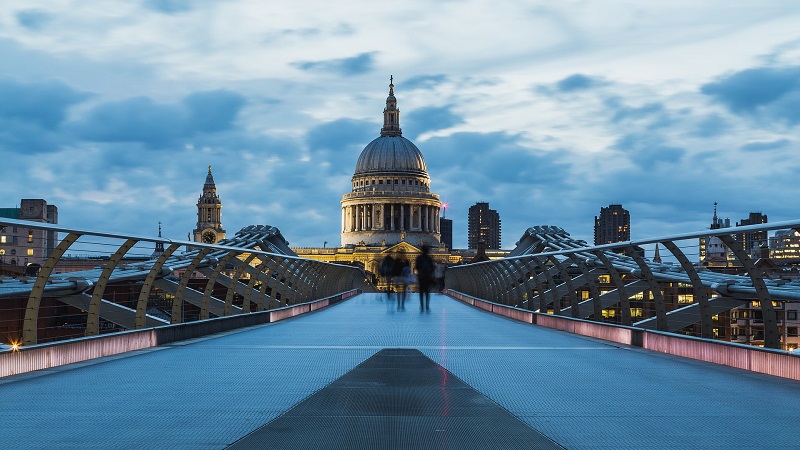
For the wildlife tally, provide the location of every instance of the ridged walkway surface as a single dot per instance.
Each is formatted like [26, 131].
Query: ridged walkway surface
[232, 389]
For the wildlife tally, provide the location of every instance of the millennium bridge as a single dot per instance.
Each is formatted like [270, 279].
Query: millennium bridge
[253, 347]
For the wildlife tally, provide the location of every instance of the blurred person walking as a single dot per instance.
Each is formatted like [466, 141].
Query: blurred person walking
[425, 277]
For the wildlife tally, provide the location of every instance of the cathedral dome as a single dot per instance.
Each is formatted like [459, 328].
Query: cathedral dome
[391, 201]
[391, 154]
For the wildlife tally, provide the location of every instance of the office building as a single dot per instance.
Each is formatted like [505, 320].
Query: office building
[21, 246]
[483, 225]
[613, 225]
[752, 240]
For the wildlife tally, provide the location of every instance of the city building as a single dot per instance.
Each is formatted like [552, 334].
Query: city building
[613, 225]
[21, 246]
[446, 231]
[713, 253]
[785, 246]
[483, 225]
[753, 240]
[391, 201]
[209, 214]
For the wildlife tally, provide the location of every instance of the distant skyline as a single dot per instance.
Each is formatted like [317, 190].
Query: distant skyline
[548, 111]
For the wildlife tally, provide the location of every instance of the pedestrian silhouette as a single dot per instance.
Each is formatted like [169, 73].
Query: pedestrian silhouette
[425, 277]
[403, 280]
[386, 271]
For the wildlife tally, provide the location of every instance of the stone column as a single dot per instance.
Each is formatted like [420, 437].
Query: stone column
[402, 217]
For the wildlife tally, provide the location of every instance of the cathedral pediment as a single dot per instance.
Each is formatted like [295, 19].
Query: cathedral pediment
[402, 247]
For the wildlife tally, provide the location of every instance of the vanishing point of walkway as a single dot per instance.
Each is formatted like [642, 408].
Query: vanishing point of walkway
[363, 373]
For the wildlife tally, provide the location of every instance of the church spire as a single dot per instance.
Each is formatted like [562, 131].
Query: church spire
[391, 115]
[209, 177]
[159, 245]
[657, 256]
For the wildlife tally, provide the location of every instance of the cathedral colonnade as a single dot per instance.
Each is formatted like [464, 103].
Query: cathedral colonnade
[392, 216]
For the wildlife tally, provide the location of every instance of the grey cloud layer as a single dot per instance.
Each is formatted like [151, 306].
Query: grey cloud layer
[770, 93]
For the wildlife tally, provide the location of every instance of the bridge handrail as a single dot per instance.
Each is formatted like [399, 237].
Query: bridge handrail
[275, 279]
[546, 254]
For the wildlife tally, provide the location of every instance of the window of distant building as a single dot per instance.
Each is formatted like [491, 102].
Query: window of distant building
[30, 236]
[2, 239]
[791, 331]
[30, 252]
[791, 315]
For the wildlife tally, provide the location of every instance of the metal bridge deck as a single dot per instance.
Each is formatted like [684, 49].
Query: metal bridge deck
[580, 392]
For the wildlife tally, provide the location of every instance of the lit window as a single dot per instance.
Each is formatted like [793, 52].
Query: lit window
[30, 236]
[2, 239]
[30, 252]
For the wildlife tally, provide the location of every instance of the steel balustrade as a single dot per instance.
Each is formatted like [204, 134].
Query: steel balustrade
[284, 279]
[548, 266]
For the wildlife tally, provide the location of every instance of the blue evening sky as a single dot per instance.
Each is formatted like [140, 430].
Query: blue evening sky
[547, 110]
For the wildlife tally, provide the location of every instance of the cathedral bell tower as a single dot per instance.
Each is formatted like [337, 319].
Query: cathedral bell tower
[209, 214]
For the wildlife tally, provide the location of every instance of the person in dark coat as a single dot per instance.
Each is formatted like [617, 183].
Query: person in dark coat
[386, 271]
[425, 277]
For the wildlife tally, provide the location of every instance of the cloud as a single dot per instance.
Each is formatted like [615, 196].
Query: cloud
[423, 82]
[27, 137]
[772, 93]
[623, 113]
[43, 103]
[355, 65]
[31, 115]
[766, 145]
[647, 150]
[710, 126]
[142, 120]
[338, 143]
[33, 19]
[577, 82]
[168, 6]
[212, 111]
[432, 118]
[488, 159]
